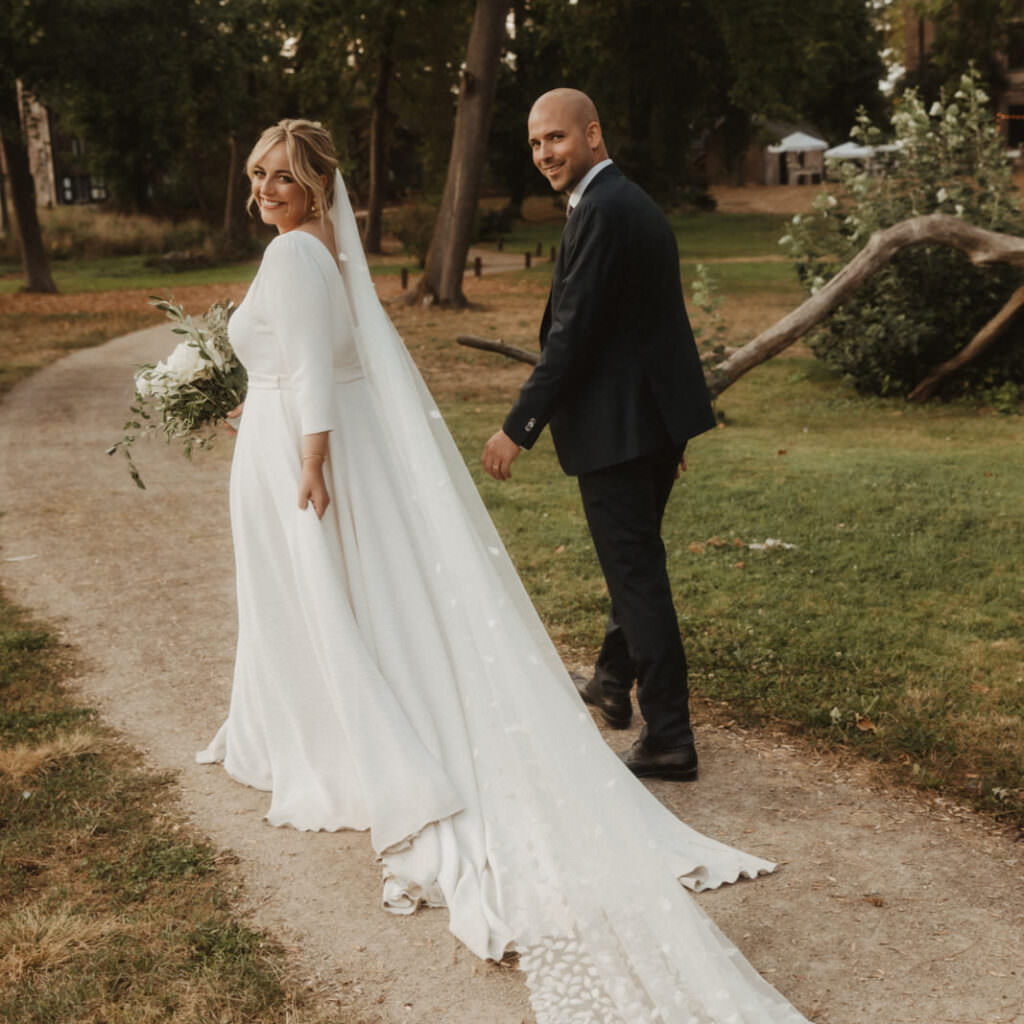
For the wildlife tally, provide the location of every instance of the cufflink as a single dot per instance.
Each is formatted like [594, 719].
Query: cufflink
[530, 424]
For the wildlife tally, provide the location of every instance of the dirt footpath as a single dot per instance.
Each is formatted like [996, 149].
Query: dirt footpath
[887, 908]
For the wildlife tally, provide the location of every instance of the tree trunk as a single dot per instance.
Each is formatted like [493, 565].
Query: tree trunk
[981, 246]
[23, 198]
[5, 217]
[378, 127]
[446, 261]
[232, 200]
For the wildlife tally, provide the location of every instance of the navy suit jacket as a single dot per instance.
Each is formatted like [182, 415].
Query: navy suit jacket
[619, 374]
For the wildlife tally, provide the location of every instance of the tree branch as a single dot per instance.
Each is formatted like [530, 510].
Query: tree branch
[981, 246]
[981, 341]
[524, 356]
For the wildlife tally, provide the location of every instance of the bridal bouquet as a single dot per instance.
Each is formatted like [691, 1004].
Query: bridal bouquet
[185, 395]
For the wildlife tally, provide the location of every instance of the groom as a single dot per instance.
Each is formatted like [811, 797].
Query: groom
[620, 381]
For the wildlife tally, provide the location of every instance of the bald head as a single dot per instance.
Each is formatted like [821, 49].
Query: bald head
[565, 137]
[571, 103]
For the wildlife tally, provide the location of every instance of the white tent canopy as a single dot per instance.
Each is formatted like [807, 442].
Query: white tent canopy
[798, 142]
[850, 151]
[855, 151]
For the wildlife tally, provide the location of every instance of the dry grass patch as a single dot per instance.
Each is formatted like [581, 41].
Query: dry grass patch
[37, 939]
[26, 759]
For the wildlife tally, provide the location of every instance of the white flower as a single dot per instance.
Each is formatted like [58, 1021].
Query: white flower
[936, 110]
[186, 363]
[942, 195]
[155, 382]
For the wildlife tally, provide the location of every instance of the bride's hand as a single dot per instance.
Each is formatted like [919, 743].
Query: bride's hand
[233, 415]
[312, 489]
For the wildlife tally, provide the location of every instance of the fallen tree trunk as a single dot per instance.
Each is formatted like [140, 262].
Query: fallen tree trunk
[981, 246]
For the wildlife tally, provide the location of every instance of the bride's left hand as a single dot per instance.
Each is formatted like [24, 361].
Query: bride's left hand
[312, 488]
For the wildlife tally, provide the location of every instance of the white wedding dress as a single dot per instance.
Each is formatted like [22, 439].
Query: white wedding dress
[392, 675]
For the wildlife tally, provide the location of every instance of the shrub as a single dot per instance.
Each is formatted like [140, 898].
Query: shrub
[90, 232]
[413, 225]
[929, 301]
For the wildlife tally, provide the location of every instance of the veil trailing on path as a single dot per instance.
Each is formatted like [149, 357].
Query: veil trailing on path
[558, 854]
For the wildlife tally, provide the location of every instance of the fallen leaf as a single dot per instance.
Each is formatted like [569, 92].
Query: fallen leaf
[559, 549]
[740, 565]
[697, 548]
[716, 542]
[781, 451]
[865, 725]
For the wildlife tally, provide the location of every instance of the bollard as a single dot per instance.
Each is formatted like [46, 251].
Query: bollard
[405, 279]
[501, 244]
[527, 255]
[478, 266]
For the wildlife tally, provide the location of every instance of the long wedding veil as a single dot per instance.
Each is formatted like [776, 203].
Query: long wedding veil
[559, 851]
[433, 469]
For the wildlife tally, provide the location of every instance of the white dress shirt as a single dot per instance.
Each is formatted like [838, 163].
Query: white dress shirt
[577, 193]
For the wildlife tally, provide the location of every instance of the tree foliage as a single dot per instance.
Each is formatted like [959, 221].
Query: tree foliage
[929, 301]
[966, 32]
[667, 75]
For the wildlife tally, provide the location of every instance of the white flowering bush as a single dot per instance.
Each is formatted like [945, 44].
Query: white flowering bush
[929, 301]
[187, 394]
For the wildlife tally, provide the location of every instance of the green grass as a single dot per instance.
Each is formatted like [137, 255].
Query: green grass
[701, 236]
[895, 623]
[113, 273]
[114, 910]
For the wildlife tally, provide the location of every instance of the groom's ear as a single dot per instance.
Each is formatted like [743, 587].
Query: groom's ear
[594, 135]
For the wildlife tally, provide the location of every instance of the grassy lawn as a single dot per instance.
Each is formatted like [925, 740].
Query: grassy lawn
[114, 910]
[894, 622]
[889, 620]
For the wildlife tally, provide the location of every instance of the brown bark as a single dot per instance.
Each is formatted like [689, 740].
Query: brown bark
[981, 341]
[522, 354]
[34, 261]
[378, 124]
[446, 261]
[981, 246]
[232, 200]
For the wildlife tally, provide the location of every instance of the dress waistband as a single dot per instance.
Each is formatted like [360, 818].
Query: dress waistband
[343, 375]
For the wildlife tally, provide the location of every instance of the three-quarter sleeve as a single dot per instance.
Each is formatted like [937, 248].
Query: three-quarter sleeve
[299, 308]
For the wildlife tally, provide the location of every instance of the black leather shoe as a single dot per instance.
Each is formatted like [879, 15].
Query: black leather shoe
[616, 708]
[678, 763]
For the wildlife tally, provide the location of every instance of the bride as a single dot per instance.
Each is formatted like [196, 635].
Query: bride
[392, 674]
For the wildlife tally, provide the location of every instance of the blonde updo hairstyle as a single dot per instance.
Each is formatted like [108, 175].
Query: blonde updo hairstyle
[311, 157]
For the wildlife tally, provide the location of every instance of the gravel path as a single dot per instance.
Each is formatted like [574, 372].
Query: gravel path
[888, 907]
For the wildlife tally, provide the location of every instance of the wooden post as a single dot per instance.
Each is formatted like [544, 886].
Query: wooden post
[501, 244]
[405, 278]
[478, 266]
[527, 255]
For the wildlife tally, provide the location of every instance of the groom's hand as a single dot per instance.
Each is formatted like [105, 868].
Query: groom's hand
[499, 454]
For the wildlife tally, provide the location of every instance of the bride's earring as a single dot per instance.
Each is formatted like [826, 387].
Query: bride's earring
[314, 210]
